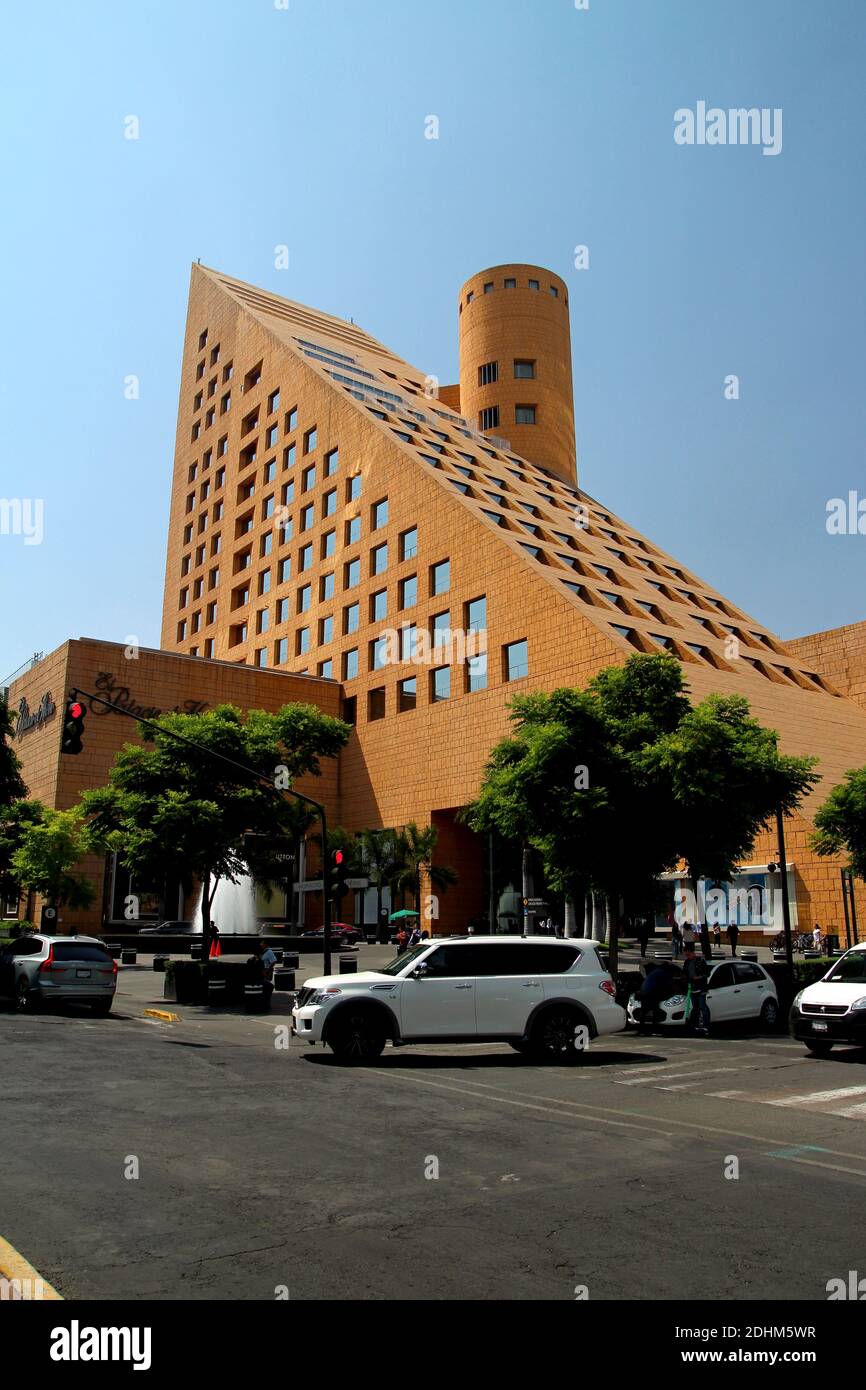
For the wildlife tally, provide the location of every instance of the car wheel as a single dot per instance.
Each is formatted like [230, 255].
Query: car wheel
[23, 997]
[102, 1007]
[554, 1036]
[769, 1013]
[818, 1047]
[357, 1038]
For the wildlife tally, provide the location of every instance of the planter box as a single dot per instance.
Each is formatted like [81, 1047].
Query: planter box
[189, 982]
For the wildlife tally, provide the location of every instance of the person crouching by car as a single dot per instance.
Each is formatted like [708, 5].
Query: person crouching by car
[261, 966]
[655, 988]
[697, 979]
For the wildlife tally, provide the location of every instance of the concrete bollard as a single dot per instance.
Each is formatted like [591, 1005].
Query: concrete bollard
[216, 992]
[114, 949]
[128, 956]
[348, 965]
[291, 960]
[159, 963]
[284, 979]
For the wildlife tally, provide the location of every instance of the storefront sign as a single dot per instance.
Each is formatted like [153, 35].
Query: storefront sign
[34, 719]
[108, 686]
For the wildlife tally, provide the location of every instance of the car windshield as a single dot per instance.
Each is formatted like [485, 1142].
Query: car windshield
[400, 962]
[850, 970]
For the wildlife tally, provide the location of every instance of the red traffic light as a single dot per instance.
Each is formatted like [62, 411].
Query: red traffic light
[338, 856]
[76, 710]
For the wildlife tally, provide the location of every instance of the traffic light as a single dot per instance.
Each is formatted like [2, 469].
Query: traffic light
[338, 857]
[73, 727]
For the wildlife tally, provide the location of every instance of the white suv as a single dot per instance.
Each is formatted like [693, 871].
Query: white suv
[547, 998]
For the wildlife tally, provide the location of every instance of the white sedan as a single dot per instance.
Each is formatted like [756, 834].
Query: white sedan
[738, 989]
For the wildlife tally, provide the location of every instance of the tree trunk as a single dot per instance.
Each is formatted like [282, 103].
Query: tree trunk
[206, 891]
[528, 890]
[613, 938]
[570, 923]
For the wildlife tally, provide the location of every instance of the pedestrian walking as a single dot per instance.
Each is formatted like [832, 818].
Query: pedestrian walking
[705, 941]
[676, 940]
[688, 935]
[717, 935]
[817, 938]
[215, 950]
[642, 932]
[733, 937]
[695, 972]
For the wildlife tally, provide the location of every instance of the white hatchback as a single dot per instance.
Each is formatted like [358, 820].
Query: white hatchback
[547, 998]
[737, 989]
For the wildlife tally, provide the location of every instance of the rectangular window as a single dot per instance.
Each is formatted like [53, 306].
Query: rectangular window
[292, 420]
[326, 669]
[534, 285]
[352, 574]
[267, 544]
[287, 529]
[524, 415]
[378, 606]
[272, 434]
[265, 582]
[211, 614]
[515, 660]
[228, 372]
[222, 450]
[308, 517]
[305, 557]
[226, 403]
[376, 703]
[440, 629]
[305, 597]
[326, 587]
[379, 559]
[311, 439]
[282, 613]
[263, 619]
[209, 418]
[440, 578]
[407, 694]
[489, 419]
[281, 651]
[302, 641]
[488, 373]
[408, 642]
[285, 570]
[308, 478]
[379, 514]
[524, 369]
[409, 543]
[475, 613]
[351, 618]
[253, 377]
[350, 664]
[268, 508]
[476, 673]
[510, 284]
[332, 462]
[326, 630]
[289, 456]
[353, 488]
[288, 493]
[378, 653]
[440, 684]
[270, 470]
[409, 591]
[329, 502]
[261, 656]
[353, 530]
[329, 544]
[273, 402]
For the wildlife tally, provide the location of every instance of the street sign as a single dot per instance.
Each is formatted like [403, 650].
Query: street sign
[535, 902]
[357, 883]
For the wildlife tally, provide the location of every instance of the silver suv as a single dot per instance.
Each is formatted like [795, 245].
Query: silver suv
[69, 969]
[546, 998]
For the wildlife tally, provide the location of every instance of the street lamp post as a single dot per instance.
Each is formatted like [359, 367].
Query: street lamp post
[786, 904]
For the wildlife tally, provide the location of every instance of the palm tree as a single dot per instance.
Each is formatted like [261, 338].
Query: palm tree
[380, 854]
[416, 846]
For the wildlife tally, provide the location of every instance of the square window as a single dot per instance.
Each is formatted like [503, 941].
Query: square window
[379, 514]
[407, 694]
[253, 377]
[510, 284]
[350, 664]
[524, 369]
[378, 606]
[351, 618]
[409, 543]
[534, 285]
[524, 415]
[353, 530]
[311, 439]
[440, 684]
[379, 559]
[409, 591]
[440, 578]
[376, 704]
[515, 663]
[488, 288]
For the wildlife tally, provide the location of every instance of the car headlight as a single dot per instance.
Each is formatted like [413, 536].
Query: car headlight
[324, 996]
[859, 1003]
[797, 998]
[674, 1001]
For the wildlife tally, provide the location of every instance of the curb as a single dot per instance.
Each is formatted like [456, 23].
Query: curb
[31, 1287]
[163, 1014]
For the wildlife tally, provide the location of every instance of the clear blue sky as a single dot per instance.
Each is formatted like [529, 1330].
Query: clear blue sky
[261, 126]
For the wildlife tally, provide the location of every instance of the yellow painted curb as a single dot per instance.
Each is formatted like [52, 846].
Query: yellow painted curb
[163, 1014]
[27, 1283]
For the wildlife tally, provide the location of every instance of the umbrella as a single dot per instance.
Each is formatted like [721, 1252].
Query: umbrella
[404, 912]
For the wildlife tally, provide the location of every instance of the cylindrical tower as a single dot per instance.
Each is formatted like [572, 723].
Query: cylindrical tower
[515, 363]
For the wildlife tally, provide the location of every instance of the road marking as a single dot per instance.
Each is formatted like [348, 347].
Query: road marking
[819, 1097]
[28, 1283]
[662, 1074]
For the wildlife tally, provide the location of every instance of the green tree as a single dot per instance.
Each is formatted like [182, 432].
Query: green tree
[840, 824]
[172, 809]
[12, 786]
[50, 848]
[416, 846]
[380, 855]
[15, 820]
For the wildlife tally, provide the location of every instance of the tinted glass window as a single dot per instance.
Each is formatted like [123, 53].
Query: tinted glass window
[25, 946]
[851, 968]
[515, 958]
[450, 961]
[722, 977]
[747, 974]
[83, 951]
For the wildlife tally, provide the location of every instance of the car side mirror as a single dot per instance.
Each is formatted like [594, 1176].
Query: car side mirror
[419, 972]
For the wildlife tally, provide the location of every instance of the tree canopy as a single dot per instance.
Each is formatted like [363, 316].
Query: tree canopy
[840, 824]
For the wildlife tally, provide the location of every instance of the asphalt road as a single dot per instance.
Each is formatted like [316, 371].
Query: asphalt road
[261, 1167]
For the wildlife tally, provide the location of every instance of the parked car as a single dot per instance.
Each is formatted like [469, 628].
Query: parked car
[38, 969]
[544, 997]
[168, 929]
[737, 989]
[833, 1010]
[342, 933]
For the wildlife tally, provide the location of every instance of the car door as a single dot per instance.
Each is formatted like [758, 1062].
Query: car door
[438, 998]
[723, 995]
[508, 985]
[10, 961]
[754, 988]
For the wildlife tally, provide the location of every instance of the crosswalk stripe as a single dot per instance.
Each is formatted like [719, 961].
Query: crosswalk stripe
[820, 1097]
[852, 1112]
